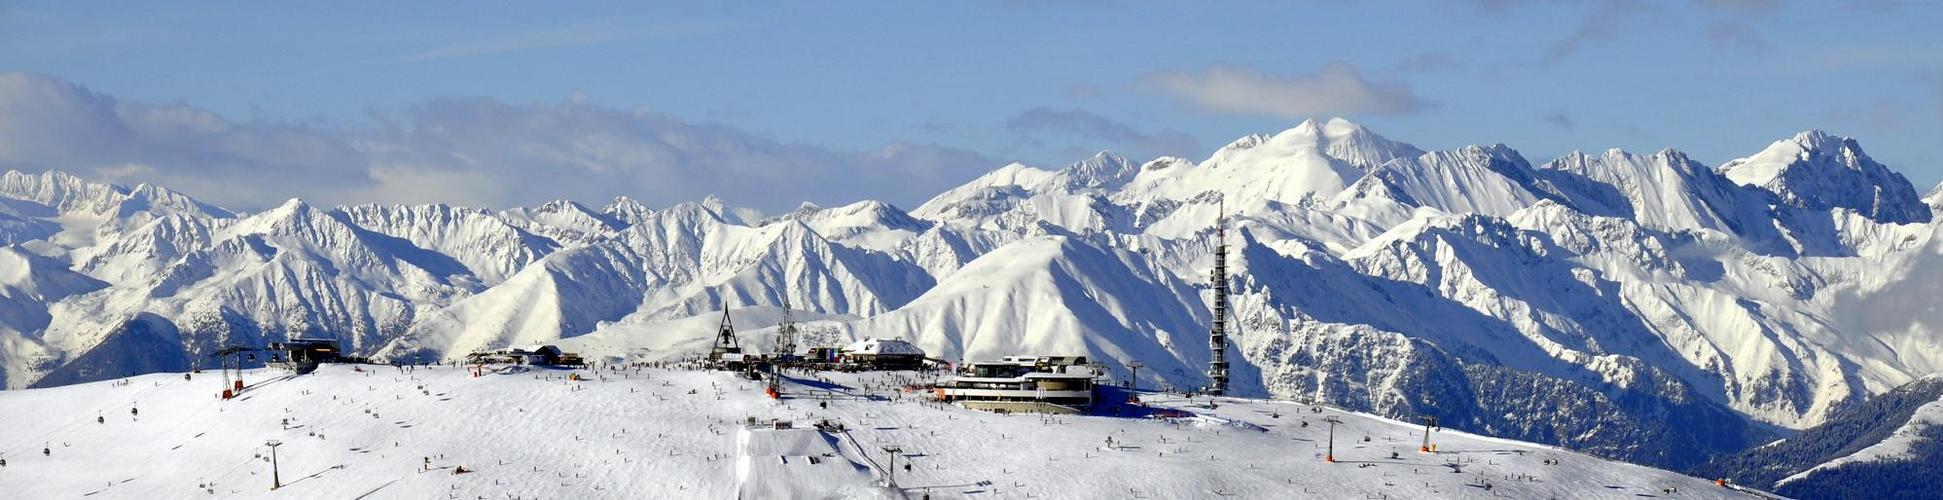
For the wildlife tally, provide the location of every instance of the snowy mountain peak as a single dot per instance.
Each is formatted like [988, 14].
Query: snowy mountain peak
[867, 224]
[1105, 169]
[1665, 190]
[293, 205]
[564, 220]
[626, 210]
[1347, 141]
[294, 218]
[151, 198]
[1430, 283]
[1245, 142]
[61, 191]
[1341, 126]
[1819, 171]
[731, 214]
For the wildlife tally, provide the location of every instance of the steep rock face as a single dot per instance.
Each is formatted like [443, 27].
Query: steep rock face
[1426, 324]
[1665, 190]
[563, 220]
[873, 225]
[17, 226]
[290, 271]
[679, 262]
[626, 210]
[28, 284]
[1312, 161]
[1493, 180]
[1819, 171]
[143, 251]
[1013, 197]
[142, 344]
[63, 192]
[67, 194]
[490, 248]
[1057, 294]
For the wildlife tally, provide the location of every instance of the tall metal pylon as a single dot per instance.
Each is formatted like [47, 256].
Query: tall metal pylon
[786, 334]
[1218, 335]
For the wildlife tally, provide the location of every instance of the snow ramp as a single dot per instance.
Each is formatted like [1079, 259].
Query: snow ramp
[799, 463]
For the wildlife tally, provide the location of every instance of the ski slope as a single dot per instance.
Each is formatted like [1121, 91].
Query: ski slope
[380, 432]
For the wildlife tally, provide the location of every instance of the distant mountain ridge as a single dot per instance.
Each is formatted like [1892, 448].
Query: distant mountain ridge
[1641, 306]
[1884, 448]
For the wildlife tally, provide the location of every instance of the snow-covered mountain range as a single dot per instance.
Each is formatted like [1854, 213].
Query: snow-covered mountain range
[1639, 306]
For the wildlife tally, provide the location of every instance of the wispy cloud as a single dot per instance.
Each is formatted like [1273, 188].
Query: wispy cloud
[480, 152]
[1743, 6]
[1336, 89]
[1602, 23]
[1099, 131]
[1934, 82]
[1875, 57]
[1879, 113]
[1735, 35]
[1432, 61]
[1561, 119]
[583, 34]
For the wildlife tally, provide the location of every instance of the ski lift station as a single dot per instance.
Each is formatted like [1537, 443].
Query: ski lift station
[537, 355]
[883, 354]
[302, 355]
[1023, 384]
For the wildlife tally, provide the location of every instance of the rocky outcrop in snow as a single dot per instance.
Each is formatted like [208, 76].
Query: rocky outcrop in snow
[1819, 171]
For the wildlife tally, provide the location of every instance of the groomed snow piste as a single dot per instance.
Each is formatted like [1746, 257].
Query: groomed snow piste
[380, 432]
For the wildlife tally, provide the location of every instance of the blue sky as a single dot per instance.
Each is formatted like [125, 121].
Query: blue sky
[766, 103]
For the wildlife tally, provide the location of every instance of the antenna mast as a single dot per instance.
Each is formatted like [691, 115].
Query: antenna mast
[1218, 337]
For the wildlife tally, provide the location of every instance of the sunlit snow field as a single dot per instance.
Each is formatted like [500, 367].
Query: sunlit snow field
[652, 433]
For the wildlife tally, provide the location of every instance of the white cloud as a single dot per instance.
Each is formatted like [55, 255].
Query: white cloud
[1335, 90]
[479, 152]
